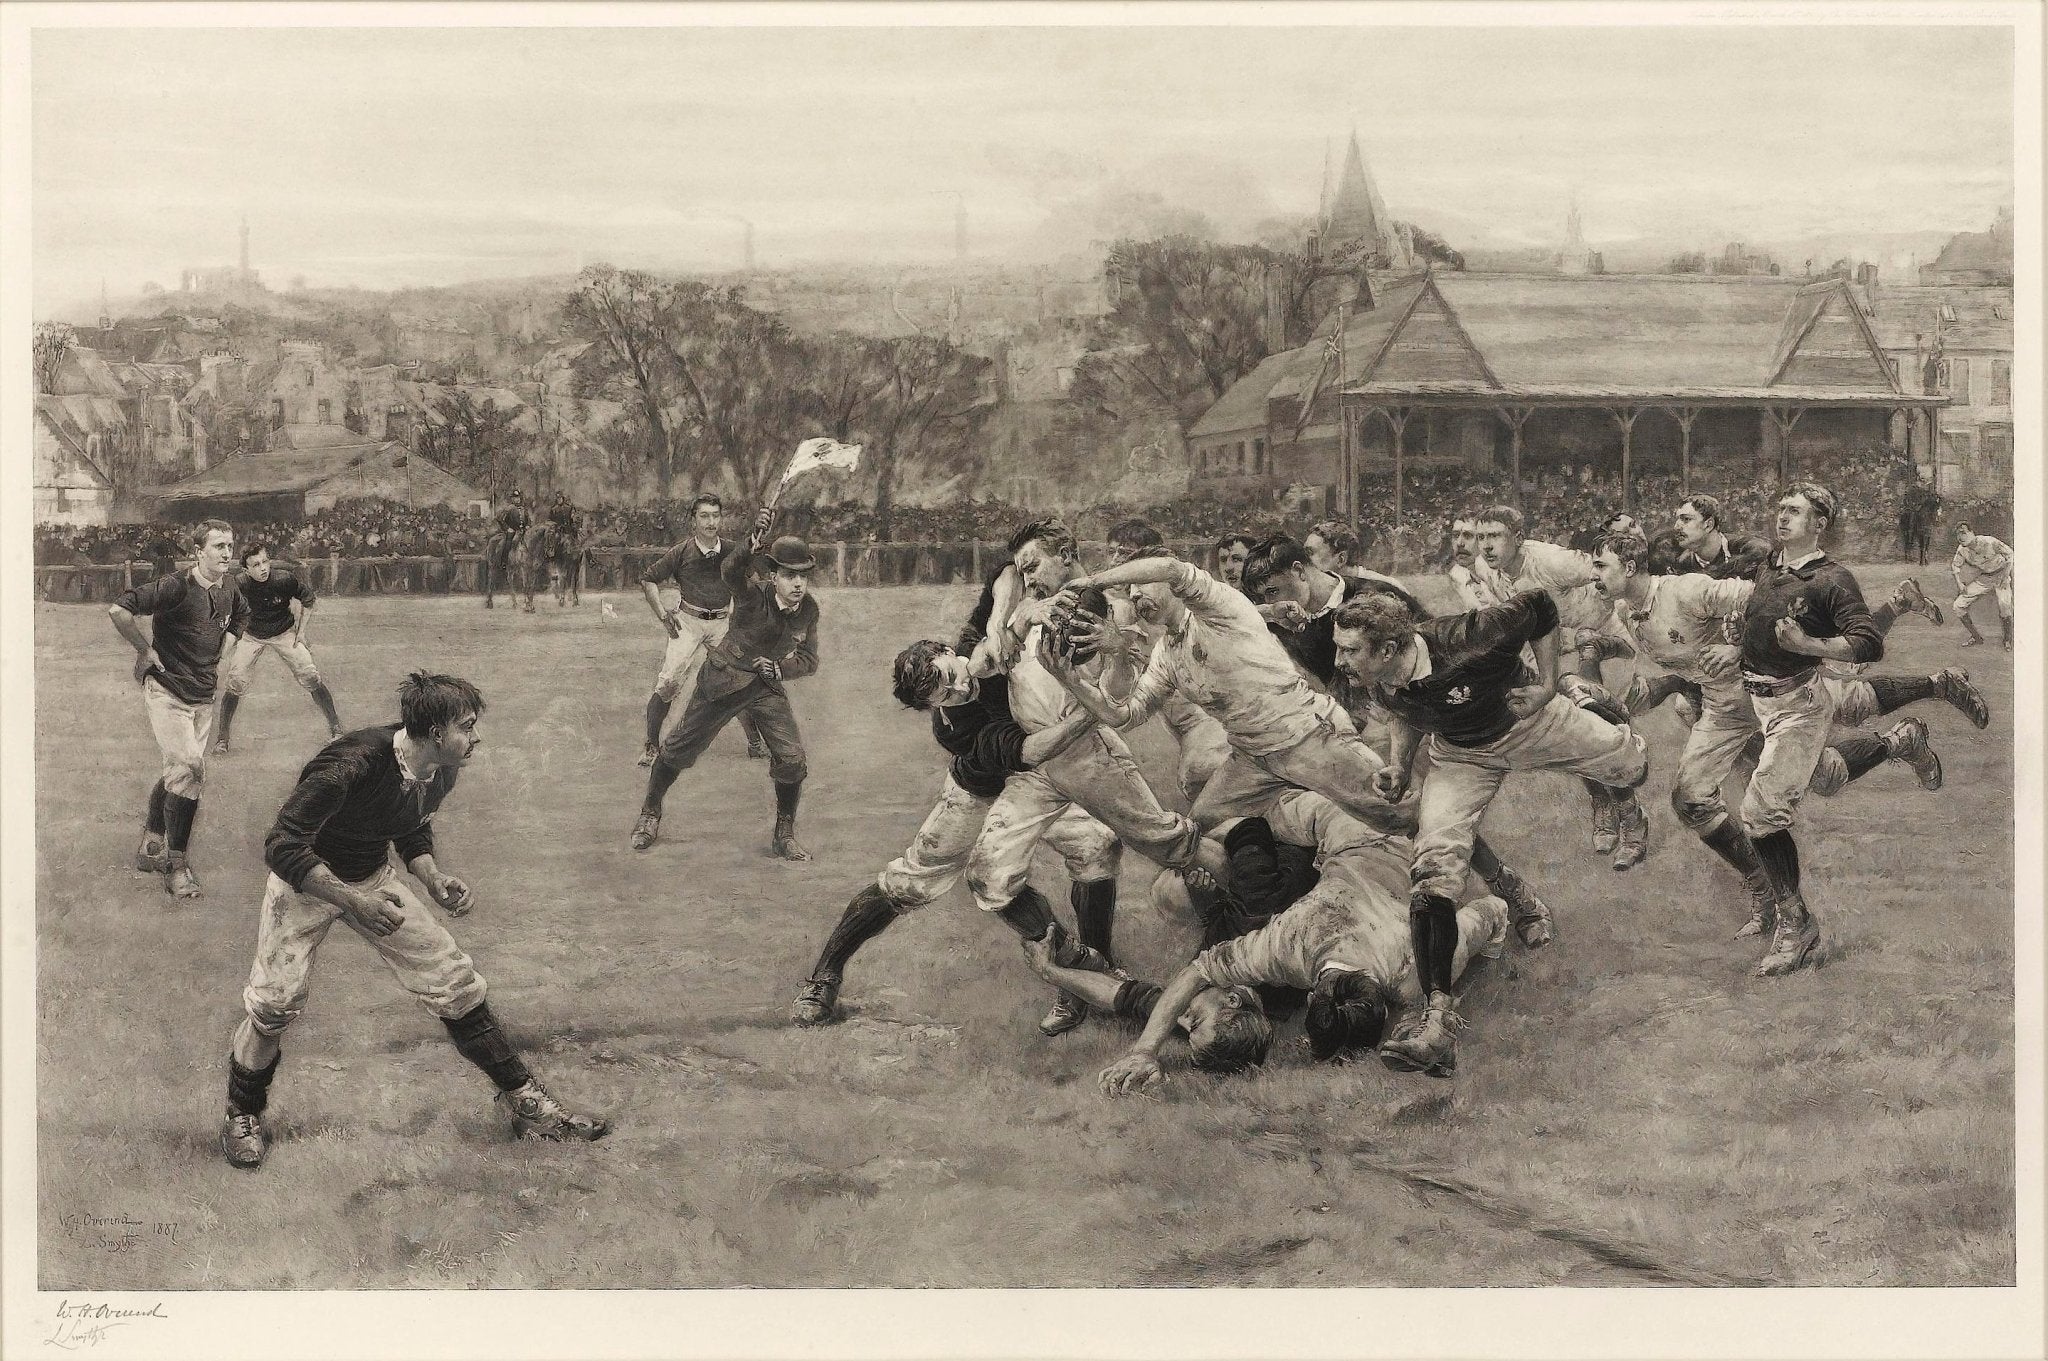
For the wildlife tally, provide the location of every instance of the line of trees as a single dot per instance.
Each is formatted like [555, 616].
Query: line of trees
[718, 389]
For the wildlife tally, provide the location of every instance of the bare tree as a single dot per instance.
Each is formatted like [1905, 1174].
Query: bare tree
[53, 341]
[1188, 321]
[931, 402]
[743, 377]
[622, 314]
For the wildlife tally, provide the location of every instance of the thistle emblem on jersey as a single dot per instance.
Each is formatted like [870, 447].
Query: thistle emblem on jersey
[1459, 694]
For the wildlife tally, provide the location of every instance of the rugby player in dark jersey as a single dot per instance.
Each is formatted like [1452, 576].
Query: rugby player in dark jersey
[278, 599]
[329, 855]
[192, 615]
[971, 722]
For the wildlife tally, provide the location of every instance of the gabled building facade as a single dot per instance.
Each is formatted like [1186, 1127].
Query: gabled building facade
[1627, 374]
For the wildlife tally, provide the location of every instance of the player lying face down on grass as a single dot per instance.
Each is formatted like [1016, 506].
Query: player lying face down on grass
[971, 722]
[329, 857]
[1344, 943]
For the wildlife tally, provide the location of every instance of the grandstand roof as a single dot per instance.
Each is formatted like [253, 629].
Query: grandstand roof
[1605, 339]
[288, 470]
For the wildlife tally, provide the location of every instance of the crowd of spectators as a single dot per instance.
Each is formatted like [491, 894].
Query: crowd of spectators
[1562, 504]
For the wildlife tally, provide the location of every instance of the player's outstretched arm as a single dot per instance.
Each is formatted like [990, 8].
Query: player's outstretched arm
[1138, 572]
[1139, 1067]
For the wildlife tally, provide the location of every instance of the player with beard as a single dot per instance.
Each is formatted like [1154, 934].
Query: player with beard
[1200, 739]
[1477, 584]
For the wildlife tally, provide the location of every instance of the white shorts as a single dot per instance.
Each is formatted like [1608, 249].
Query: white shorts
[1999, 587]
[183, 732]
[421, 954]
[686, 652]
[937, 856]
[297, 657]
[1462, 781]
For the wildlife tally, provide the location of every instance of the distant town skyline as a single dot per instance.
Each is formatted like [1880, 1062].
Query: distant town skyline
[389, 158]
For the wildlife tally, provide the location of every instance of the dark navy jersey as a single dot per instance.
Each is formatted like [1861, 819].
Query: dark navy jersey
[1825, 599]
[698, 575]
[270, 601]
[189, 622]
[1475, 661]
[352, 804]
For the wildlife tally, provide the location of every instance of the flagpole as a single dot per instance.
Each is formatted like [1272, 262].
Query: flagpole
[1346, 456]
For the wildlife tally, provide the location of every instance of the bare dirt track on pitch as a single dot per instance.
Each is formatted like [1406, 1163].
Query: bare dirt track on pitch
[1631, 1107]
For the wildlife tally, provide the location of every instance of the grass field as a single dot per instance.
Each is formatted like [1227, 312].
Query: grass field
[1631, 1106]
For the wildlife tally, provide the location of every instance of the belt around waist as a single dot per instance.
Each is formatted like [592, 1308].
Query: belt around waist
[697, 612]
[1772, 686]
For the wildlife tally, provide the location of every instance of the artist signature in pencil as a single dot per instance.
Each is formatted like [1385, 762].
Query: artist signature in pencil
[82, 1323]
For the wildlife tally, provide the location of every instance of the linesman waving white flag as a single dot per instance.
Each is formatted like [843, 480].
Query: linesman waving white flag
[821, 452]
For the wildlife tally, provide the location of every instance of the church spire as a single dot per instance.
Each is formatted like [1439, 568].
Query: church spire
[1357, 214]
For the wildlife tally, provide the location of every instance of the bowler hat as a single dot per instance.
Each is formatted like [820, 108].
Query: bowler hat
[791, 554]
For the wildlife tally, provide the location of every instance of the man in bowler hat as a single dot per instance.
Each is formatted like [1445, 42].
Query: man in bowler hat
[773, 638]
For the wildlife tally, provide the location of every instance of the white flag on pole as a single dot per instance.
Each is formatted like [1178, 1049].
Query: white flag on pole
[821, 453]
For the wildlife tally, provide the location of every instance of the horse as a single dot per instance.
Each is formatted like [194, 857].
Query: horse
[515, 559]
[564, 558]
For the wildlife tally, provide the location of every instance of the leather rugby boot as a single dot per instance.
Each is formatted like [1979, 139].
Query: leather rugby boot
[1953, 684]
[243, 1140]
[817, 1002]
[536, 1115]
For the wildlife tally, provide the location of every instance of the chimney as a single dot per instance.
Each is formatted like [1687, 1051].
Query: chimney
[1866, 279]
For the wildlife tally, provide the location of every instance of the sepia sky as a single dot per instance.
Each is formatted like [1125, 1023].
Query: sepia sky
[393, 157]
